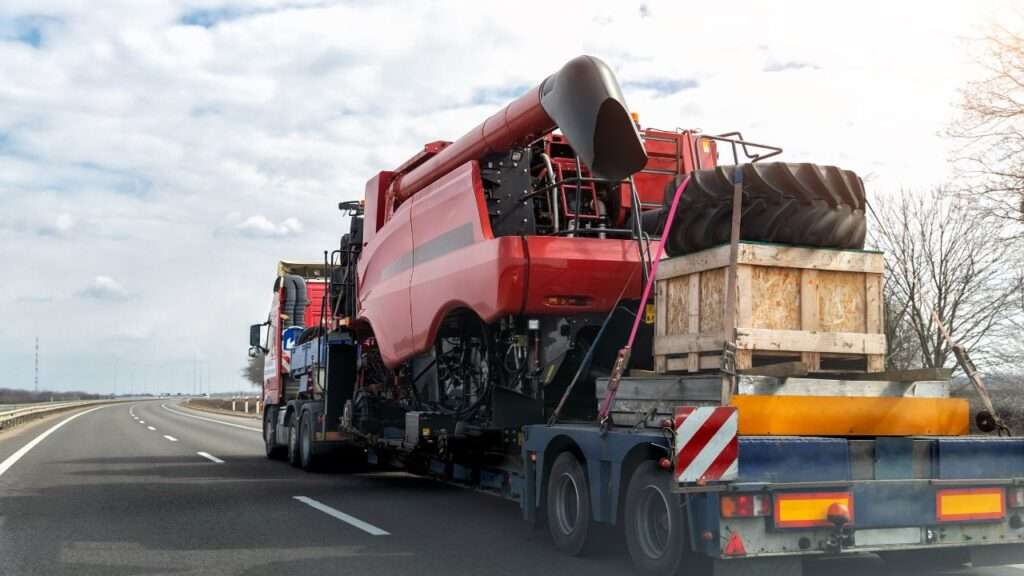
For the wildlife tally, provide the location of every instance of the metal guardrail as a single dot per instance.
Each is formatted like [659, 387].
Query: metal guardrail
[13, 414]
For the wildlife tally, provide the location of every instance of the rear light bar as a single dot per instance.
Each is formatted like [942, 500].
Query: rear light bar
[811, 509]
[744, 505]
[970, 504]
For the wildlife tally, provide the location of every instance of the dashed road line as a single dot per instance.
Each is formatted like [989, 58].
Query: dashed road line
[221, 422]
[335, 513]
[171, 438]
[142, 421]
[151, 428]
[210, 457]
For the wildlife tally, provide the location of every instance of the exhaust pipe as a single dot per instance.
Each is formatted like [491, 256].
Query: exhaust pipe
[583, 99]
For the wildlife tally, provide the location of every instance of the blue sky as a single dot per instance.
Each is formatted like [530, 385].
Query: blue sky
[157, 158]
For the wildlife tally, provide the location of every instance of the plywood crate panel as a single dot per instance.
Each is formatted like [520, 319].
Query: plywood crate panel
[821, 306]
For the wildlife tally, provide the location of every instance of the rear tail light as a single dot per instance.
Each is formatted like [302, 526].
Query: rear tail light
[1016, 498]
[744, 505]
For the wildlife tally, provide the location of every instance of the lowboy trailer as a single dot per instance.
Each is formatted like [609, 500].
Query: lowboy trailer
[471, 327]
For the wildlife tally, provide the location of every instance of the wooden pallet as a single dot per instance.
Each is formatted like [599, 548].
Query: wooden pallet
[822, 307]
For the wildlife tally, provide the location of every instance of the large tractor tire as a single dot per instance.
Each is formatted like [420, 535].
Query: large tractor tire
[800, 204]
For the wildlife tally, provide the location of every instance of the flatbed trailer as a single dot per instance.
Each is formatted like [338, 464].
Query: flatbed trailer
[935, 501]
[459, 336]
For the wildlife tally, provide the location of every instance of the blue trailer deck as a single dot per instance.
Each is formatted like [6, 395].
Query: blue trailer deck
[894, 488]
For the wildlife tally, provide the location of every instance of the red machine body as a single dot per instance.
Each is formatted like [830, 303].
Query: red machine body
[437, 252]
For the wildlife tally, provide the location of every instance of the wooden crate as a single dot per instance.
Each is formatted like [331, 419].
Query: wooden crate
[820, 306]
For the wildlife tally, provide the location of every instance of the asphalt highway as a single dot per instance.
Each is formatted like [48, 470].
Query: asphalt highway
[156, 488]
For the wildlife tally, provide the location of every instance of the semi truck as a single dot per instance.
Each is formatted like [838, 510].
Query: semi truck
[614, 324]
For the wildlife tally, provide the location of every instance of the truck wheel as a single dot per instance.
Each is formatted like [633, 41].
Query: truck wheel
[307, 454]
[654, 523]
[568, 504]
[274, 452]
[293, 442]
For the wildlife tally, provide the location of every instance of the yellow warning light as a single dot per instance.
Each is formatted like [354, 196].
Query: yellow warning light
[635, 116]
[706, 146]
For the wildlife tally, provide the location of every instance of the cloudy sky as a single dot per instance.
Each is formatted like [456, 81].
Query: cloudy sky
[157, 158]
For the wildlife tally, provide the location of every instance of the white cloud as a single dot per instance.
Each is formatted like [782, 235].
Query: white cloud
[105, 289]
[64, 222]
[260, 225]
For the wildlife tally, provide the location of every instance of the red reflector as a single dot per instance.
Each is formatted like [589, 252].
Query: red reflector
[735, 546]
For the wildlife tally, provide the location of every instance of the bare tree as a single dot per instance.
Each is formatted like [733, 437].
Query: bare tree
[902, 350]
[253, 370]
[944, 256]
[991, 130]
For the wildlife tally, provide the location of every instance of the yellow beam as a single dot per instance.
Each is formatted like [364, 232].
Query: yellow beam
[846, 416]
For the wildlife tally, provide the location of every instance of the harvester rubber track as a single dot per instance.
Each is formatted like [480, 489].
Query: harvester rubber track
[788, 203]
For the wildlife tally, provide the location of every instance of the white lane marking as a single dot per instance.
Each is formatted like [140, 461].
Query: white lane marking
[171, 438]
[131, 410]
[142, 421]
[179, 413]
[350, 520]
[13, 458]
[210, 457]
[151, 428]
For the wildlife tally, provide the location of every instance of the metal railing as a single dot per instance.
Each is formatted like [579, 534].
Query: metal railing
[13, 414]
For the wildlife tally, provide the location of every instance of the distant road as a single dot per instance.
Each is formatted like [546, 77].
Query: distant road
[156, 488]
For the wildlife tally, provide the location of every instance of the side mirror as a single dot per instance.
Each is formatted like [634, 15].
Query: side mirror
[255, 337]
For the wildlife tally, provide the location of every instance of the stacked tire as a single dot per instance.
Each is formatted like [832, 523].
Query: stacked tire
[788, 203]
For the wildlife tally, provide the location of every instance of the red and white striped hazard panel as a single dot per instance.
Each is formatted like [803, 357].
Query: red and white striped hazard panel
[707, 447]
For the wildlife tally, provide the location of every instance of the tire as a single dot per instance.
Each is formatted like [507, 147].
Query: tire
[293, 442]
[274, 452]
[568, 505]
[789, 203]
[308, 460]
[654, 523]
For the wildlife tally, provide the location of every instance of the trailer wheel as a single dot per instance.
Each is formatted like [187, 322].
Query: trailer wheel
[293, 442]
[654, 523]
[568, 504]
[307, 454]
[274, 452]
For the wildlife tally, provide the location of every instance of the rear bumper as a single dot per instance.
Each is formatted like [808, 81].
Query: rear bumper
[760, 538]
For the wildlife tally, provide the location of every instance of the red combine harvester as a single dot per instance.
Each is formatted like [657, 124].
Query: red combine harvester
[468, 325]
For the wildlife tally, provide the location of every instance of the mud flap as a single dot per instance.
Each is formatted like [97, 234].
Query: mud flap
[779, 566]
